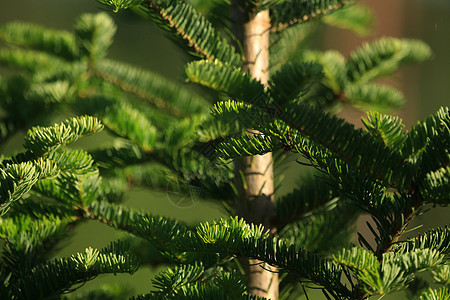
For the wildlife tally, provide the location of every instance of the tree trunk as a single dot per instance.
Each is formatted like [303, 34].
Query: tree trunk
[254, 174]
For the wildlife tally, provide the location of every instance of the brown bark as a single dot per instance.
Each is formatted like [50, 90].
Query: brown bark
[255, 173]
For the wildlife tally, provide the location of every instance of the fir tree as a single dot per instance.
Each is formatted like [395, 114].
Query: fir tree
[165, 134]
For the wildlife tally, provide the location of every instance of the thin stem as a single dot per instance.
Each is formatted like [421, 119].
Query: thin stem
[304, 290]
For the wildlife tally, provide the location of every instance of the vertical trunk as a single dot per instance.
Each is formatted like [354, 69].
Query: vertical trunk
[255, 174]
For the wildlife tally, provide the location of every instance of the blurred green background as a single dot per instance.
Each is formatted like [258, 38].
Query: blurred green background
[426, 86]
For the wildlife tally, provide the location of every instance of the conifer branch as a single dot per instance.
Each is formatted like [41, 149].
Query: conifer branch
[435, 239]
[43, 140]
[148, 87]
[313, 194]
[132, 124]
[383, 57]
[59, 42]
[227, 79]
[59, 275]
[17, 179]
[291, 12]
[395, 170]
[384, 170]
[171, 15]
[389, 238]
[435, 294]
[357, 18]
[30, 60]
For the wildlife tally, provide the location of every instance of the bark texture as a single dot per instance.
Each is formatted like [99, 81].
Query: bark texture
[255, 173]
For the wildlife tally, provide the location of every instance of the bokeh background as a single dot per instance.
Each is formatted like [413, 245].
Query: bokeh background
[426, 87]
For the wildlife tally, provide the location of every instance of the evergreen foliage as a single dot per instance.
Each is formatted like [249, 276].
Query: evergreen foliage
[163, 134]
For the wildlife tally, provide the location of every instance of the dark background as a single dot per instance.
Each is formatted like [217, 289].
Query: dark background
[426, 86]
